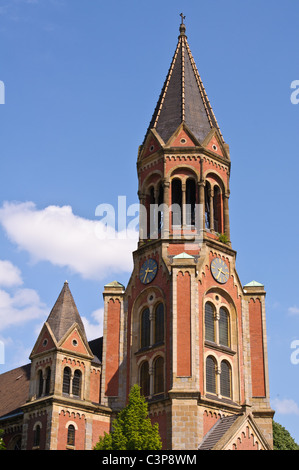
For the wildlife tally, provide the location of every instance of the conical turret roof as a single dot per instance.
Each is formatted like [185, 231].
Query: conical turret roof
[183, 98]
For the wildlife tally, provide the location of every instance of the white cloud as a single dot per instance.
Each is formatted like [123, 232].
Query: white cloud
[94, 330]
[285, 406]
[20, 307]
[10, 275]
[56, 235]
[293, 310]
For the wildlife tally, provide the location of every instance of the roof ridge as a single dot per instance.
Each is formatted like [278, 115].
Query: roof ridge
[165, 86]
[202, 90]
[217, 431]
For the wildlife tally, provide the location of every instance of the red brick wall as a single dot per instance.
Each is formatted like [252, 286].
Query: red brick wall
[183, 325]
[95, 386]
[209, 419]
[64, 418]
[245, 442]
[161, 419]
[256, 349]
[112, 352]
[98, 429]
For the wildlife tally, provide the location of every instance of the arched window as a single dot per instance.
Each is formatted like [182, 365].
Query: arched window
[225, 379]
[209, 322]
[223, 327]
[159, 375]
[66, 380]
[48, 380]
[145, 328]
[71, 435]
[210, 375]
[176, 201]
[40, 383]
[159, 323]
[144, 379]
[77, 383]
[36, 436]
[190, 201]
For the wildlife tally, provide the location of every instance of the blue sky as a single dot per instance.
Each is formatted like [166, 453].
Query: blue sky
[81, 82]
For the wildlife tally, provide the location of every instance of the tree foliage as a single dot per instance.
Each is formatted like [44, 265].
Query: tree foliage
[132, 429]
[282, 440]
[2, 445]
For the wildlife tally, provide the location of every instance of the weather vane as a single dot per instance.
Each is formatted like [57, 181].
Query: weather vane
[183, 17]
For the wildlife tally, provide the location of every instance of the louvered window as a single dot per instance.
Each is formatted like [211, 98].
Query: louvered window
[77, 383]
[145, 328]
[159, 323]
[224, 328]
[144, 380]
[210, 375]
[225, 380]
[159, 375]
[66, 380]
[209, 322]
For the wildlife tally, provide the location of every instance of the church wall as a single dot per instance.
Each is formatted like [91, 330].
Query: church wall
[183, 325]
[33, 421]
[99, 426]
[95, 385]
[112, 351]
[257, 349]
[65, 419]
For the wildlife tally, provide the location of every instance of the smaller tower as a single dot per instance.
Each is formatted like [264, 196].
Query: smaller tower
[63, 409]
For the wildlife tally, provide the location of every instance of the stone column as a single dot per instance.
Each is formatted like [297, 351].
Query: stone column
[165, 234]
[226, 214]
[211, 196]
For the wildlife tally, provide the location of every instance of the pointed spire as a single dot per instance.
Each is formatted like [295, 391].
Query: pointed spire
[64, 314]
[183, 98]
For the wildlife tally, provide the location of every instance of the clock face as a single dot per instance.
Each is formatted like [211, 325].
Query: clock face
[220, 270]
[148, 271]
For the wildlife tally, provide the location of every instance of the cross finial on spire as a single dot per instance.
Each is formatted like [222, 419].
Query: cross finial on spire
[182, 25]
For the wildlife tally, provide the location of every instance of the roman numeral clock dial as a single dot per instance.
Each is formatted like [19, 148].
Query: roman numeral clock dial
[219, 270]
[148, 271]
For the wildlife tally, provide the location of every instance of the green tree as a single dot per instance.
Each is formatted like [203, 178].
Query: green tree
[132, 429]
[282, 440]
[2, 445]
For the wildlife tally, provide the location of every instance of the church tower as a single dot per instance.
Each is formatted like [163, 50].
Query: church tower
[185, 328]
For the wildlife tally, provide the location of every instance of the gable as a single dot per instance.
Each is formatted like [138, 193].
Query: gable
[45, 341]
[73, 342]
